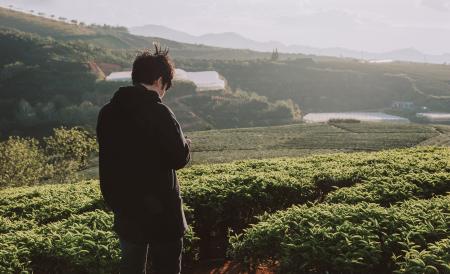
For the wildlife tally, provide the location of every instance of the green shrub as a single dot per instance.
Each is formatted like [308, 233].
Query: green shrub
[389, 190]
[69, 151]
[81, 243]
[49, 203]
[22, 162]
[304, 239]
[7, 225]
[223, 196]
[340, 238]
[16, 251]
[222, 202]
[69, 230]
[434, 259]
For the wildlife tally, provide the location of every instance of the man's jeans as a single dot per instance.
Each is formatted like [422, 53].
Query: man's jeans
[165, 257]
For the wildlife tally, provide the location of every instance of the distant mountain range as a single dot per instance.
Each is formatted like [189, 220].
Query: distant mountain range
[234, 40]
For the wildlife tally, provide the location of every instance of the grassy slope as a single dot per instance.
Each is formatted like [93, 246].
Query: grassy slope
[431, 79]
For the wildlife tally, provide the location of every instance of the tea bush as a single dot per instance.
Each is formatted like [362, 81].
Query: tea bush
[331, 226]
[225, 196]
[49, 203]
[341, 238]
[81, 243]
[389, 190]
[434, 259]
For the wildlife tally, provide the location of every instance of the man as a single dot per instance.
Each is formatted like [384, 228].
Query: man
[141, 146]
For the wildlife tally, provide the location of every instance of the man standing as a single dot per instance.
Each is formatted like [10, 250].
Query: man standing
[141, 146]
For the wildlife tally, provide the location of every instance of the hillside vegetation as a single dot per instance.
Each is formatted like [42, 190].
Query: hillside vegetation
[47, 83]
[334, 85]
[315, 218]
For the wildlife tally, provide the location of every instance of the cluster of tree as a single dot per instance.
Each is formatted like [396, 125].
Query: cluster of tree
[57, 158]
[242, 109]
[45, 83]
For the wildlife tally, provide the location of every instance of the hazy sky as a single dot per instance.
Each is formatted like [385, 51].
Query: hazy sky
[369, 25]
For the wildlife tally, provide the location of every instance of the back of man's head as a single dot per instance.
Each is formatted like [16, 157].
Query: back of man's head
[149, 66]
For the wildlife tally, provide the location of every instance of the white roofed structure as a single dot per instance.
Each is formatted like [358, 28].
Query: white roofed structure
[361, 116]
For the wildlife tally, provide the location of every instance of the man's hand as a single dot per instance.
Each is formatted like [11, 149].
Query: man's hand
[188, 141]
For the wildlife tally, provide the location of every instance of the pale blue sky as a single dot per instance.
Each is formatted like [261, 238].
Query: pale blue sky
[369, 25]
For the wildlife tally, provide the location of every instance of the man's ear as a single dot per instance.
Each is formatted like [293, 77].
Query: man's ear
[160, 82]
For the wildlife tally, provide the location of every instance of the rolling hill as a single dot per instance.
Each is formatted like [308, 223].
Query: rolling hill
[117, 38]
[234, 40]
[49, 81]
[314, 83]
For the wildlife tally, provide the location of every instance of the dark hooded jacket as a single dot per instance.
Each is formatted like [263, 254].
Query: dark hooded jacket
[141, 145]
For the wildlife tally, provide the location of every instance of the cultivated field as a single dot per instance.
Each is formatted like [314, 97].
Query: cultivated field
[365, 212]
[219, 146]
[305, 139]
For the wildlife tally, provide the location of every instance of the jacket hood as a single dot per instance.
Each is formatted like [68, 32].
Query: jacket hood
[132, 97]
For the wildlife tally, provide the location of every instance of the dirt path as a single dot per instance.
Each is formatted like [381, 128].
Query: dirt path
[442, 139]
[414, 86]
[226, 267]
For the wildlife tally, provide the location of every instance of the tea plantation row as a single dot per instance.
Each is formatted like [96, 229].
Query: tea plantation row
[67, 228]
[411, 237]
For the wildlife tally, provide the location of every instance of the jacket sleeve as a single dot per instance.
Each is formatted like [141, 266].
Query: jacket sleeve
[172, 140]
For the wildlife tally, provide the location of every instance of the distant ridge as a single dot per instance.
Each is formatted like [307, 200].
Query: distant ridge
[237, 41]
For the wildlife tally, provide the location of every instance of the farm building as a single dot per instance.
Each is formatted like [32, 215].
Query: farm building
[361, 116]
[402, 104]
[435, 116]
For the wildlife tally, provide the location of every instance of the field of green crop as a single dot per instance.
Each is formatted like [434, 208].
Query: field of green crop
[363, 212]
[226, 145]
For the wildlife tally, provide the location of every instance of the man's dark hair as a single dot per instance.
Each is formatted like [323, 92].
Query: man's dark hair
[149, 66]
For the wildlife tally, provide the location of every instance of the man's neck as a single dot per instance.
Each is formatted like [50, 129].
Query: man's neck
[151, 88]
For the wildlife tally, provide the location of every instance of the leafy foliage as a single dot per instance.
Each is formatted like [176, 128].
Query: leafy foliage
[69, 150]
[229, 196]
[348, 82]
[361, 238]
[63, 228]
[36, 222]
[434, 259]
[24, 161]
[241, 109]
